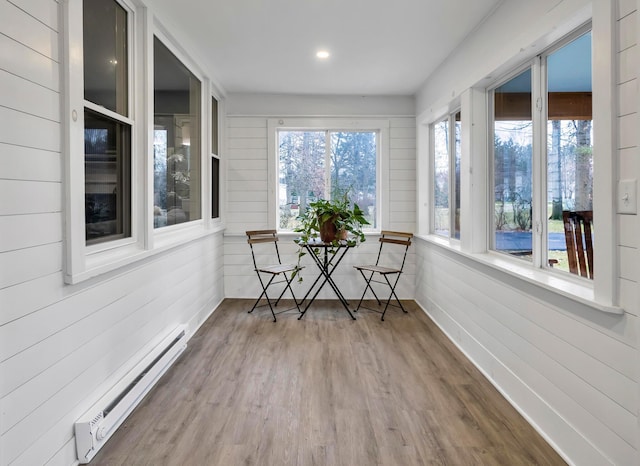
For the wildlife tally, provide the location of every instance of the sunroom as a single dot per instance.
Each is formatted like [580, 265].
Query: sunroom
[142, 139]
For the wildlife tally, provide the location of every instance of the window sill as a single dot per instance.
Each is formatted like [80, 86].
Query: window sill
[575, 289]
[101, 262]
[168, 237]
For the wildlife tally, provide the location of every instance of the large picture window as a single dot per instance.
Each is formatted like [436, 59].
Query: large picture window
[177, 141]
[543, 157]
[325, 164]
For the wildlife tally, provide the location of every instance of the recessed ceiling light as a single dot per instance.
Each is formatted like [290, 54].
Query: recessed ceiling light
[322, 54]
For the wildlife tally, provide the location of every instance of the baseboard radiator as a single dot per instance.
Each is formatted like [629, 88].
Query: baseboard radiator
[98, 424]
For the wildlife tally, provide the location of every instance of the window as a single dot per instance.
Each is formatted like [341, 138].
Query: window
[512, 166]
[215, 161]
[569, 141]
[176, 141]
[102, 218]
[107, 126]
[446, 176]
[107, 178]
[542, 153]
[109, 165]
[558, 103]
[323, 164]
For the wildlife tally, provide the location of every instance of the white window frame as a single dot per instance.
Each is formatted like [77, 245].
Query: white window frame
[381, 126]
[602, 293]
[175, 235]
[84, 262]
[537, 138]
[539, 165]
[214, 153]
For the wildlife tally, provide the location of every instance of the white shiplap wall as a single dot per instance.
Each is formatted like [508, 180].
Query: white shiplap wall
[571, 370]
[62, 347]
[247, 202]
[628, 158]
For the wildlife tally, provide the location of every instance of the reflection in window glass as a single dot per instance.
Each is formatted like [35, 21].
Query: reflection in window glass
[456, 179]
[441, 178]
[215, 161]
[177, 141]
[107, 141]
[214, 126]
[325, 164]
[105, 55]
[107, 177]
[569, 143]
[215, 187]
[512, 159]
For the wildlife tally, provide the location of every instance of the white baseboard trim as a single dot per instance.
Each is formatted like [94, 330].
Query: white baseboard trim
[501, 376]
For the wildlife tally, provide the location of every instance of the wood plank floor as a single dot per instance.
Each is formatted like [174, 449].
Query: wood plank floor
[325, 390]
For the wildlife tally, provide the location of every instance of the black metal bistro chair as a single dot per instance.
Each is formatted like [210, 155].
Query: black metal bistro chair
[394, 246]
[270, 271]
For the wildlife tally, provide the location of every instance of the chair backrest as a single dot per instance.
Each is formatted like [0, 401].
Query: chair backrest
[578, 236]
[401, 238]
[262, 236]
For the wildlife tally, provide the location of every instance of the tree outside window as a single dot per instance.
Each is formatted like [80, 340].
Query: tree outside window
[569, 140]
[567, 158]
[446, 176]
[325, 164]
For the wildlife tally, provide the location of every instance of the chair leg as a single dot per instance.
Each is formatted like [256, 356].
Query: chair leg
[264, 293]
[368, 287]
[270, 302]
[272, 311]
[392, 295]
[283, 291]
[364, 292]
[289, 280]
[256, 303]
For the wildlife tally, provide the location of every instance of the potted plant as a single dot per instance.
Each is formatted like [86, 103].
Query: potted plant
[330, 221]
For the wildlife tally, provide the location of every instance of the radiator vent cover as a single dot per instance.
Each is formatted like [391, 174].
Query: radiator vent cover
[97, 425]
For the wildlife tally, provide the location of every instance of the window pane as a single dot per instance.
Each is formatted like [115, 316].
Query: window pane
[456, 191]
[353, 170]
[105, 55]
[107, 178]
[215, 162]
[177, 141]
[513, 142]
[214, 126]
[569, 142]
[442, 220]
[301, 173]
[309, 170]
[215, 187]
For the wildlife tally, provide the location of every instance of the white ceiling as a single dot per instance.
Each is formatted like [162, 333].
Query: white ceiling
[378, 47]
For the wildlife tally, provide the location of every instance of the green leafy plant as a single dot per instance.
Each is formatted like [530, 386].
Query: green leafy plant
[338, 216]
